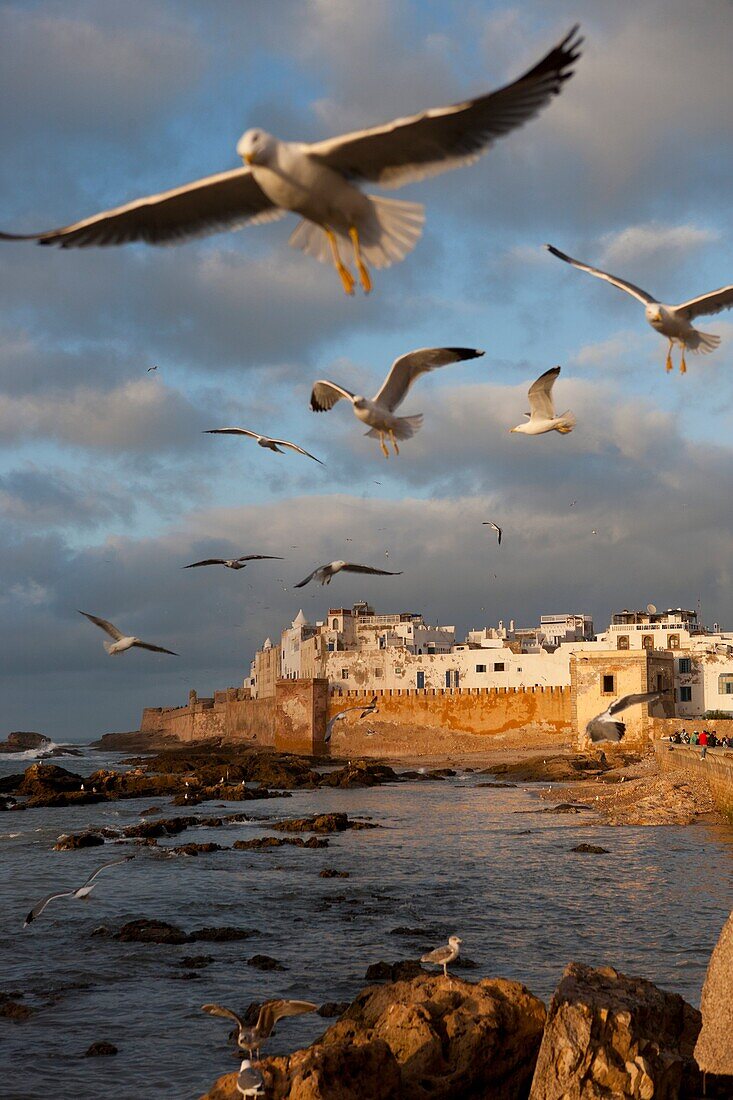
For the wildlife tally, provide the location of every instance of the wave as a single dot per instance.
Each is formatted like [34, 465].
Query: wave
[48, 748]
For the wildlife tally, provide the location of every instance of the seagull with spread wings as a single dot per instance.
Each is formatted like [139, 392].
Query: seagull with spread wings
[121, 641]
[320, 181]
[234, 563]
[605, 728]
[79, 893]
[325, 573]
[674, 322]
[264, 441]
[370, 709]
[379, 412]
[542, 416]
[250, 1038]
[494, 527]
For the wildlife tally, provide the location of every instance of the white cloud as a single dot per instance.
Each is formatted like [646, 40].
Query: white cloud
[652, 243]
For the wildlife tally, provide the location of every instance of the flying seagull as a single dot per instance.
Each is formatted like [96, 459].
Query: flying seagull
[604, 728]
[442, 956]
[151, 368]
[674, 322]
[122, 641]
[234, 563]
[320, 181]
[250, 1081]
[250, 1038]
[82, 891]
[371, 709]
[264, 441]
[324, 573]
[379, 412]
[495, 527]
[542, 416]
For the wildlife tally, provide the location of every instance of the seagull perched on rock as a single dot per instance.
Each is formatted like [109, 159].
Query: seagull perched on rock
[264, 441]
[379, 412]
[604, 728]
[82, 891]
[442, 956]
[494, 527]
[250, 1081]
[319, 181]
[250, 1038]
[371, 709]
[121, 641]
[674, 322]
[234, 563]
[325, 573]
[542, 416]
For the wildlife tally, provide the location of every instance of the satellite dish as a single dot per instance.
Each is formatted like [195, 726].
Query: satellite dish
[651, 609]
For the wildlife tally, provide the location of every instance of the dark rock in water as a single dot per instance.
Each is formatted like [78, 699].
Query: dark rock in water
[13, 1010]
[150, 931]
[220, 935]
[404, 970]
[321, 823]
[77, 840]
[101, 1049]
[44, 779]
[441, 773]
[558, 769]
[362, 773]
[11, 782]
[333, 1008]
[464, 963]
[150, 810]
[7, 802]
[193, 848]
[21, 742]
[591, 849]
[331, 872]
[195, 962]
[279, 842]
[133, 741]
[564, 808]
[101, 930]
[265, 962]
[498, 786]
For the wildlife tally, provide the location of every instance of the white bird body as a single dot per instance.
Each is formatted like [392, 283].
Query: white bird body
[122, 642]
[542, 417]
[264, 441]
[443, 956]
[250, 1081]
[605, 727]
[326, 573]
[79, 893]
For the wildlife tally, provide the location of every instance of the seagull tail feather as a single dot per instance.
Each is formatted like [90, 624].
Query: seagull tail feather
[390, 229]
[705, 343]
[566, 422]
[404, 427]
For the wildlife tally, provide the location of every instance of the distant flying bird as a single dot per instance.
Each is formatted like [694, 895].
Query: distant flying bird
[371, 709]
[151, 368]
[250, 1081]
[234, 563]
[250, 1038]
[379, 412]
[604, 728]
[122, 641]
[442, 956]
[320, 181]
[573, 503]
[495, 527]
[82, 891]
[670, 321]
[325, 573]
[264, 441]
[542, 416]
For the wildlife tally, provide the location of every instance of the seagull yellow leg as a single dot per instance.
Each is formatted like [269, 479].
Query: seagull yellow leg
[394, 443]
[364, 276]
[347, 279]
[383, 445]
[683, 364]
[669, 357]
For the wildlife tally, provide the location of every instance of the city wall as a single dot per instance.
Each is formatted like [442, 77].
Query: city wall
[716, 770]
[230, 714]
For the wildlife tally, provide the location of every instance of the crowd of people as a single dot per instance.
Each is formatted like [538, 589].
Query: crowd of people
[706, 739]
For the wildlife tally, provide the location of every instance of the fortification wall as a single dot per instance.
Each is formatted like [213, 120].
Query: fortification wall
[716, 770]
[227, 716]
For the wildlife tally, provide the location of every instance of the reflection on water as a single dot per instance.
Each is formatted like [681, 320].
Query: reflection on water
[449, 855]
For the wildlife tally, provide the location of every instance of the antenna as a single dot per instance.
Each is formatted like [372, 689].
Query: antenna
[651, 608]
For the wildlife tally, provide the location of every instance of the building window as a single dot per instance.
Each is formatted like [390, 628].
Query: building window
[481, 668]
[685, 666]
[622, 642]
[420, 680]
[344, 673]
[673, 641]
[330, 647]
[648, 641]
[335, 624]
[685, 694]
[609, 684]
[498, 666]
[378, 673]
[725, 684]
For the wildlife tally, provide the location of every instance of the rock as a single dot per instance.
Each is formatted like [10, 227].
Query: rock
[393, 972]
[150, 931]
[7, 802]
[195, 962]
[321, 823]
[333, 1008]
[193, 848]
[714, 1048]
[46, 779]
[133, 741]
[13, 1010]
[220, 935]
[564, 808]
[69, 841]
[608, 1035]
[150, 810]
[331, 872]
[100, 1049]
[559, 769]
[279, 842]
[498, 786]
[11, 782]
[101, 930]
[21, 742]
[362, 773]
[591, 849]
[265, 962]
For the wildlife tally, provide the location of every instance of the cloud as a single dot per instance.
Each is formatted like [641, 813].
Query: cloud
[652, 244]
[46, 498]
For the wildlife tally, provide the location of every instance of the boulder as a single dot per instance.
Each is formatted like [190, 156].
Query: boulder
[13, 1010]
[331, 872]
[100, 1049]
[361, 773]
[265, 962]
[280, 842]
[591, 849]
[403, 970]
[321, 823]
[69, 841]
[220, 935]
[193, 848]
[714, 1048]
[333, 1008]
[21, 742]
[608, 1035]
[45, 779]
[150, 931]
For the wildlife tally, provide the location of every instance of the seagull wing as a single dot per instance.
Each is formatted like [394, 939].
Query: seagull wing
[713, 302]
[272, 1011]
[260, 557]
[325, 394]
[407, 368]
[207, 561]
[622, 284]
[41, 905]
[232, 431]
[540, 395]
[437, 140]
[632, 700]
[295, 447]
[108, 627]
[309, 578]
[439, 955]
[350, 567]
[110, 863]
[155, 648]
[227, 200]
[219, 1010]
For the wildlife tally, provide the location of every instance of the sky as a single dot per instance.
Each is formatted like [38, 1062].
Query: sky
[108, 485]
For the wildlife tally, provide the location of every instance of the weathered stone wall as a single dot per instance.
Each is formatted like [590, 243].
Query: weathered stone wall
[230, 714]
[300, 715]
[632, 672]
[716, 770]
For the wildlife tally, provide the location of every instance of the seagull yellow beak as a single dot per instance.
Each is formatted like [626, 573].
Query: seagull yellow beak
[247, 158]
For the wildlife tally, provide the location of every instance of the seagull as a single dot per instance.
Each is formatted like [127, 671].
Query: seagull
[250, 1081]
[603, 728]
[251, 1038]
[122, 641]
[264, 441]
[671, 321]
[371, 709]
[234, 563]
[151, 368]
[82, 891]
[495, 526]
[441, 956]
[379, 412]
[324, 573]
[320, 181]
[542, 416]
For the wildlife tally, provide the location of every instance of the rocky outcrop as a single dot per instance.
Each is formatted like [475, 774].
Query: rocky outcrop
[321, 823]
[42, 779]
[21, 742]
[69, 841]
[100, 1049]
[133, 741]
[144, 930]
[559, 769]
[612, 1036]
[714, 1048]
[264, 842]
[360, 773]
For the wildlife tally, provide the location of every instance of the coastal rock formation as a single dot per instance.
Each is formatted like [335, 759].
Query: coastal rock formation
[42, 779]
[21, 742]
[263, 842]
[144, 930]
[70, 841]
[100, 1049]
[560, 769]
[321, 823]
[714, 1048]
[360, 773]
[608, 1035]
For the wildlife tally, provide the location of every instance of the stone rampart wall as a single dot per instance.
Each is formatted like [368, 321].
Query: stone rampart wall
[716, 770]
